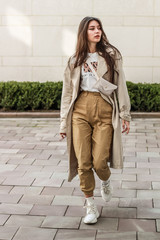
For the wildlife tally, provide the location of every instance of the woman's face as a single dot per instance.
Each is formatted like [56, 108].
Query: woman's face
[94, 32]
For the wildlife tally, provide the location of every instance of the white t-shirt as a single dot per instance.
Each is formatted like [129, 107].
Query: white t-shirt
[88, 79]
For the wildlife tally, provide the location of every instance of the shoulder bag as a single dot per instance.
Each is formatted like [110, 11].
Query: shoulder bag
[102, 85]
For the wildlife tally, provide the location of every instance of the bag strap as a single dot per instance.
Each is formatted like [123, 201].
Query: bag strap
[92, 68]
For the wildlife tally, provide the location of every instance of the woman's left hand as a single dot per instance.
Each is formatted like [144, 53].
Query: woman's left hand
[125, 126]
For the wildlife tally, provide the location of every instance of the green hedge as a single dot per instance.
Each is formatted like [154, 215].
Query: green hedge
[145, 97]
[22, 96]
[25, 96]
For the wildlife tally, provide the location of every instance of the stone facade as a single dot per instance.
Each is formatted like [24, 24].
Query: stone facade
[37, 36]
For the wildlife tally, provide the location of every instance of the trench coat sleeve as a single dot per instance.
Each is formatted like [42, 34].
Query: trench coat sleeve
[65, 98]
[122, 93]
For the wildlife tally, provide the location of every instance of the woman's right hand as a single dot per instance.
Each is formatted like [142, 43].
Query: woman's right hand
[63, 135]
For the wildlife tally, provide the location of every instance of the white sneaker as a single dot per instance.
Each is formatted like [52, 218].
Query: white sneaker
[106, 191]
[92, 213]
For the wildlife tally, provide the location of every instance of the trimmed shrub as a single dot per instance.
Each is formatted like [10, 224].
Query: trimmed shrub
[23, 96]
[144, 97]
[31, 96]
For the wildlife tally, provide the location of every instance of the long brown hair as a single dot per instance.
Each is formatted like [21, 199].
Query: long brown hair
[101, 47]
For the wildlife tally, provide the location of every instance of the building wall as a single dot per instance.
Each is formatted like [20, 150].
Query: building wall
[37, 36]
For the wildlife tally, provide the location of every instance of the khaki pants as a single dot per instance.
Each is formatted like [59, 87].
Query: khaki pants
[92, 136]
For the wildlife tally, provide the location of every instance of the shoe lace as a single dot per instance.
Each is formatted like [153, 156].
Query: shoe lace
[106, 188]
[90, 209]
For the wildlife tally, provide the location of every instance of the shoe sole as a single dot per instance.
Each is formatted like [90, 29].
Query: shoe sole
[91, 223]
[94, 221]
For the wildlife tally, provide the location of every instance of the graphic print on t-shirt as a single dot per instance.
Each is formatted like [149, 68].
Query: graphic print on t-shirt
[88, 79]
[86, 68]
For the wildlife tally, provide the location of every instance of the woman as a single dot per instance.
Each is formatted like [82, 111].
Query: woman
[91, 119]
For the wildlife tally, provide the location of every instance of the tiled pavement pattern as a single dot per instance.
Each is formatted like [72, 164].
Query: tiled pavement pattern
[37, 202]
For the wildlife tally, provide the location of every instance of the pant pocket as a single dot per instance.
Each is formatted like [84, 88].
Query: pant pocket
[79, 103]
[105, 109]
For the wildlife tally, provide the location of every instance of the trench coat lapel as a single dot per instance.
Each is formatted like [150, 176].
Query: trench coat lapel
[102, 66]
[76, 79]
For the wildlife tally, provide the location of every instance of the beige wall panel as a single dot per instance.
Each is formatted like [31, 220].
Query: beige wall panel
[32, 61]
[53, 41]
[42, 34]
[132, 41]
[16, 20]
[137, 74]
[15, 41]
[15, 74]
[157, 8]
[46, 20]
[141, 61]
[111, 20]
[157, 42]
[142, 21]
[43, 74]
[139, 21]
[62, 7]
[32, 20]
[124, 7]
[157, 21]
[72, 20]
[15, 7]
[156, 74]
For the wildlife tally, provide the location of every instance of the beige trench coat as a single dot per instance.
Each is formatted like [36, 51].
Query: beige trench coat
[121, 109]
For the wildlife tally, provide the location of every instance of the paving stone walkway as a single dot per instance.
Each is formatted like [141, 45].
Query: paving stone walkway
[37, 202]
